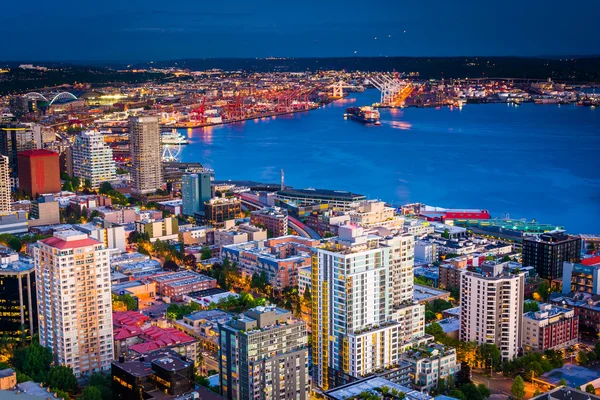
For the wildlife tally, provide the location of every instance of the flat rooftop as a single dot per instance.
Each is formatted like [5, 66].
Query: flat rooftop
[322, 193]
[575, 375]
[369, 385]
[423, 293]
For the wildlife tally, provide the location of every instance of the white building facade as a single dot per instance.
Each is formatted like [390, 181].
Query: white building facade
[93, 159]
[74, 301]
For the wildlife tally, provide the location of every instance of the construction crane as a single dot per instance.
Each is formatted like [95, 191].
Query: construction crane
[394, 91]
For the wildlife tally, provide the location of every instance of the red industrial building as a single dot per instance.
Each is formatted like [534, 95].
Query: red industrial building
[39, 172]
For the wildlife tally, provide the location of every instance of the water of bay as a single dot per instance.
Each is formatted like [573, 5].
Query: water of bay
[530, 161]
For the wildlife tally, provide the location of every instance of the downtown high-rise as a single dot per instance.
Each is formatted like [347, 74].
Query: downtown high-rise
[74, 301]
[491, 310]
[93, 159]
[362, 308]
[263, 354]
[4, 184]
[146, 158]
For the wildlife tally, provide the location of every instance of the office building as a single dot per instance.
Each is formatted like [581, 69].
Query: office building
[144, 143]
[5, 199]
[18, 305]
[190, 194]
[14, 139]
[279, 258]
[582, 277]
[44, 211]
[161, 374]
[39, 172]
[273, 219]
[159, 229]
[550, 328]
[548, 251]
[14, 222]
[219, 210]
[492, 310]
[74, 301]
[264, 354]
[358, 309]
[204, 187]
[93, 159]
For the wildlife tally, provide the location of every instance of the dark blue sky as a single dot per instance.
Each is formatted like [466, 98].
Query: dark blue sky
[159, 30]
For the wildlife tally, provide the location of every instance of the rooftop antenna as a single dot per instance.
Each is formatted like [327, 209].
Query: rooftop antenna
[282, 180]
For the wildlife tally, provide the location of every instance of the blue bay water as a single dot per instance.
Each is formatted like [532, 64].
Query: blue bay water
[531, 161]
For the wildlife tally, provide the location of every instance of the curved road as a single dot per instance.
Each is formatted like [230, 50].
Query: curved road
[298, 226]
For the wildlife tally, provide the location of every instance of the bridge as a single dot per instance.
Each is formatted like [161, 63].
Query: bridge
[296, 225]
[62, 96]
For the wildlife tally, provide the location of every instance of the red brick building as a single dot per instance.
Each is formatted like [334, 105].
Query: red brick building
[39, 172]
[552, 327]
[176, 284]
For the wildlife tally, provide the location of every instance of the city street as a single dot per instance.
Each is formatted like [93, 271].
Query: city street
[500, 385]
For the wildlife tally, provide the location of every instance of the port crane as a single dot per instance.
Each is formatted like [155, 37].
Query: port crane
[338, 89]
[394, 91]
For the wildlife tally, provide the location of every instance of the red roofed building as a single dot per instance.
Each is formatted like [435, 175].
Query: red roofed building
[39, 172]
[129, 318]
[591, 261]
[135, 339]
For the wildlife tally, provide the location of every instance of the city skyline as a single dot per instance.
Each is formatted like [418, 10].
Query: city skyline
[132, 31]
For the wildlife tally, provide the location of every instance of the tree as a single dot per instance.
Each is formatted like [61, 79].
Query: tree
[590, 389]
[105, 188]
[446, 234]
[103, 383]
[488, 352]
[430, 316]
[206, 253]
[537, 392]
[562, 382]
[170, 265]
[464, 375]
[33, 360]
[87, 184]
[128, 301]
[531, 306]
[441, 386]
[471, 392]
[484, 390]
[91, 393]
[542, 291]
[517, 389]
[61, 377]
[582, 358]
[533, 369]
[61, 394]
[435, 330]
[457, 394]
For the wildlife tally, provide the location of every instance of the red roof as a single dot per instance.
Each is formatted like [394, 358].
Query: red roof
[157, 338]
[591, 261]
[129, 318]
[37, 153]
[126, 332]
[63, 244]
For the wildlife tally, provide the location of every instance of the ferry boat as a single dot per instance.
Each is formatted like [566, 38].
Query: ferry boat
[366, 115]
[173, 137]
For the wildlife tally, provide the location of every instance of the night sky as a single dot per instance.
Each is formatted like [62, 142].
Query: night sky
[161, 30]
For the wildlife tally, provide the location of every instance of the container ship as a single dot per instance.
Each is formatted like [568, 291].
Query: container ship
[173, 137]
[366, 115]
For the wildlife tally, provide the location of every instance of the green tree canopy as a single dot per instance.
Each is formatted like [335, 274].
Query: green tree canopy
[91, 393]
[61, 377]
[517, 389]
[33, 360]
[590, 389]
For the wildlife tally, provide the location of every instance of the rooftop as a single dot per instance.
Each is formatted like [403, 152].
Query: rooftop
[575, 375]
[370, 385]
[310, 192]
[70, 239]
[546, 311]
[566, 393]
[591, 261]
[37, 153]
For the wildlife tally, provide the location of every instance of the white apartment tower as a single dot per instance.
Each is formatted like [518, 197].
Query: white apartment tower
[74, 301]
[93, 159]
[4, 184]
[354, 333]
[491, 310]
[144, 144]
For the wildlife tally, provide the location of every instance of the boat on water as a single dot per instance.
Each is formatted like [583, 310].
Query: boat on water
[366, 115]
[173, 137]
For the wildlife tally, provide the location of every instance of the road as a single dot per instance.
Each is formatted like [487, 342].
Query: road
[500, 385]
